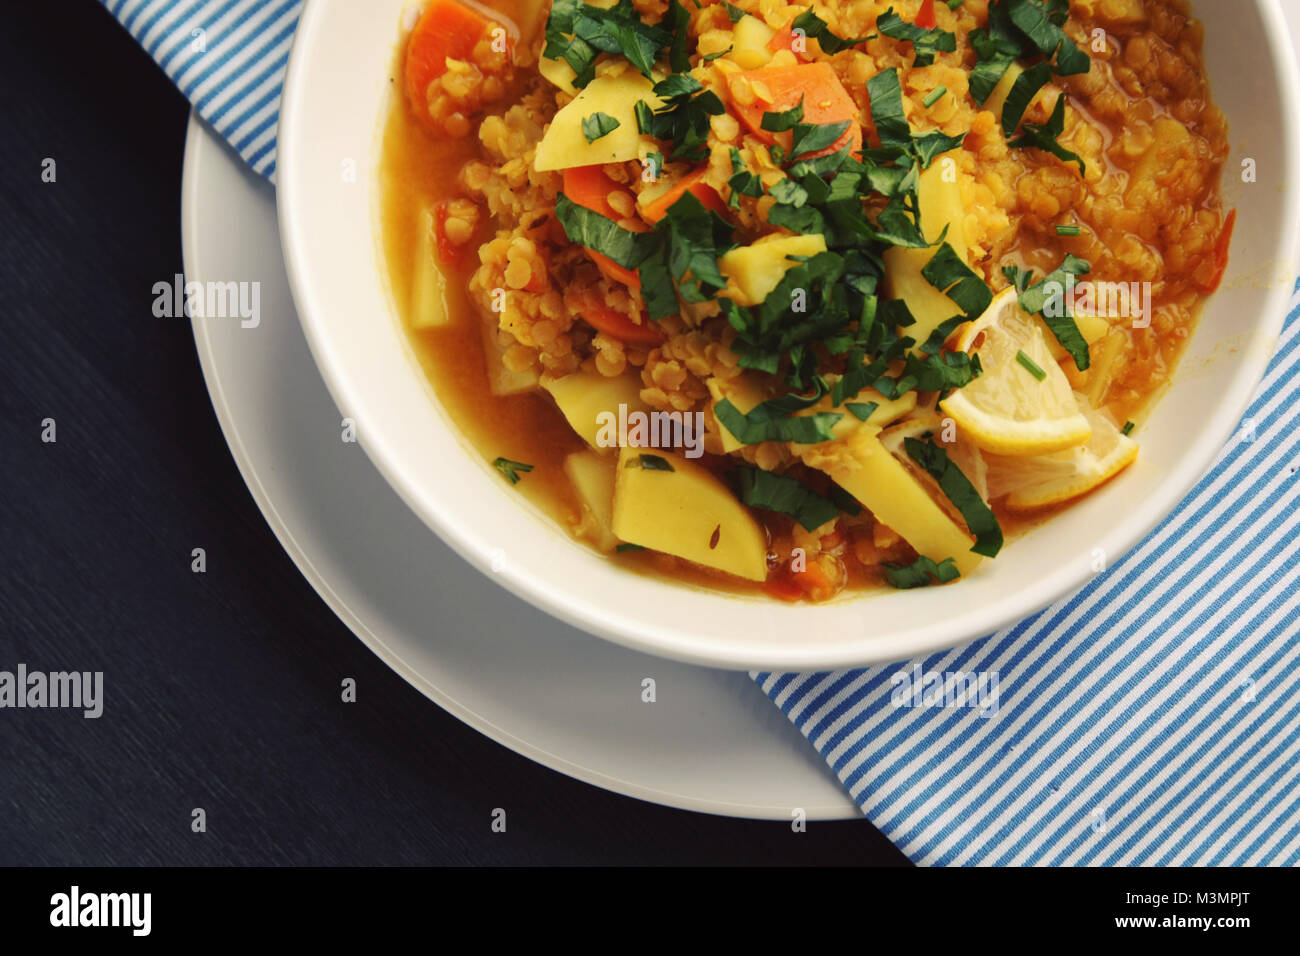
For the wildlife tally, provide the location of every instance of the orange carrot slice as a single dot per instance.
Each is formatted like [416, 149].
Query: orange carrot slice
[694, 184]
[445, 30]
[615, 324]
[775, 89]
[783, 39]
[588, 186]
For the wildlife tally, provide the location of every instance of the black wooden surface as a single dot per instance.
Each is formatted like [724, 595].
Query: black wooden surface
[224, 685]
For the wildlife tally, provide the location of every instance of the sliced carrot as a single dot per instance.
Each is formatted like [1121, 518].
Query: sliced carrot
[775, 89]
[925, 18]
[694, 184]
[601, 317]
[783, 39]
[588, 186]
[1211, 282]
[445, 30]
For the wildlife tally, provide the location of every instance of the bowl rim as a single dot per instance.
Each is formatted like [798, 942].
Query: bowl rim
[663, 640]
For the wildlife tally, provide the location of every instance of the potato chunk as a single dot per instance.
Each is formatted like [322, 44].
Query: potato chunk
[754, 271]
[584, 396]
[864, 468]
[687, 512]
[592, 476]
[564, 144]
[941, 207]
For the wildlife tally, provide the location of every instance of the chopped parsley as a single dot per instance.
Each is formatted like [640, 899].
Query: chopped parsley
[1127, 429]
[625, 548]
[1021, 28]
[925, 43]
[1045, 137]
[597, 125]
[775, 420]
[578, 33]
[815, 28]
[511, 469]
[784, 495]
[934, 96]
[649, 463]
[948, 273]
[684, 118]
[921, 573]
[957, 488]
[1047, 299]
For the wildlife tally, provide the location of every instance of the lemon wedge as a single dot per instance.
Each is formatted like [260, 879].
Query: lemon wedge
[1040, 482]
[1009, 409]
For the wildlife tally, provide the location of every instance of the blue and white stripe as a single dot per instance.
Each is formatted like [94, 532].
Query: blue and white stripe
[1153, 718]
[227, 56]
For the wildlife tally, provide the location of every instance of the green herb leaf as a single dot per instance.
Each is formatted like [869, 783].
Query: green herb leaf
[925, 43]
[511, 469]
[887, 109]
[774, 420]
[592, 230]
[1127, 429]
[1022, 94]
[921, 573]
[957, 488]
[862, 410]
[1035, 21]
[784, 495]
[1068, 230]
[597, 125]
[948, 273]
[649, 463]
[817, 29]
[813, 138]
[1047, 299]
[783, 120]
[1045, 137]
[625, 548]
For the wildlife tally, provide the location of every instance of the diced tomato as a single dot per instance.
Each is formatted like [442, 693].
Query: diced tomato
[817, 85]
[1211, 282]
[590, 187]
[925, 18]
[694, 184]
[450, 253]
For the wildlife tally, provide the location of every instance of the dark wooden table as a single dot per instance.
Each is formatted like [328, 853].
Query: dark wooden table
[222, 688]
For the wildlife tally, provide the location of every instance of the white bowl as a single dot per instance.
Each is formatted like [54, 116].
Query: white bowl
[336, 97]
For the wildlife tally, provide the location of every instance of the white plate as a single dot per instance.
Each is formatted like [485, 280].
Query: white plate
[711, 741]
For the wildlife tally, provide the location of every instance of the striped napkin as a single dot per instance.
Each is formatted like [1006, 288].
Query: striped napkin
[227, 56]
[1153, 718]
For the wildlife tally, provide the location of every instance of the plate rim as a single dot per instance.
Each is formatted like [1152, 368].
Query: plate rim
[199, 137]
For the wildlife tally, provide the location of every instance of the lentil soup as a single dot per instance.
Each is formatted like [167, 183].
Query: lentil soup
[802, 300]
